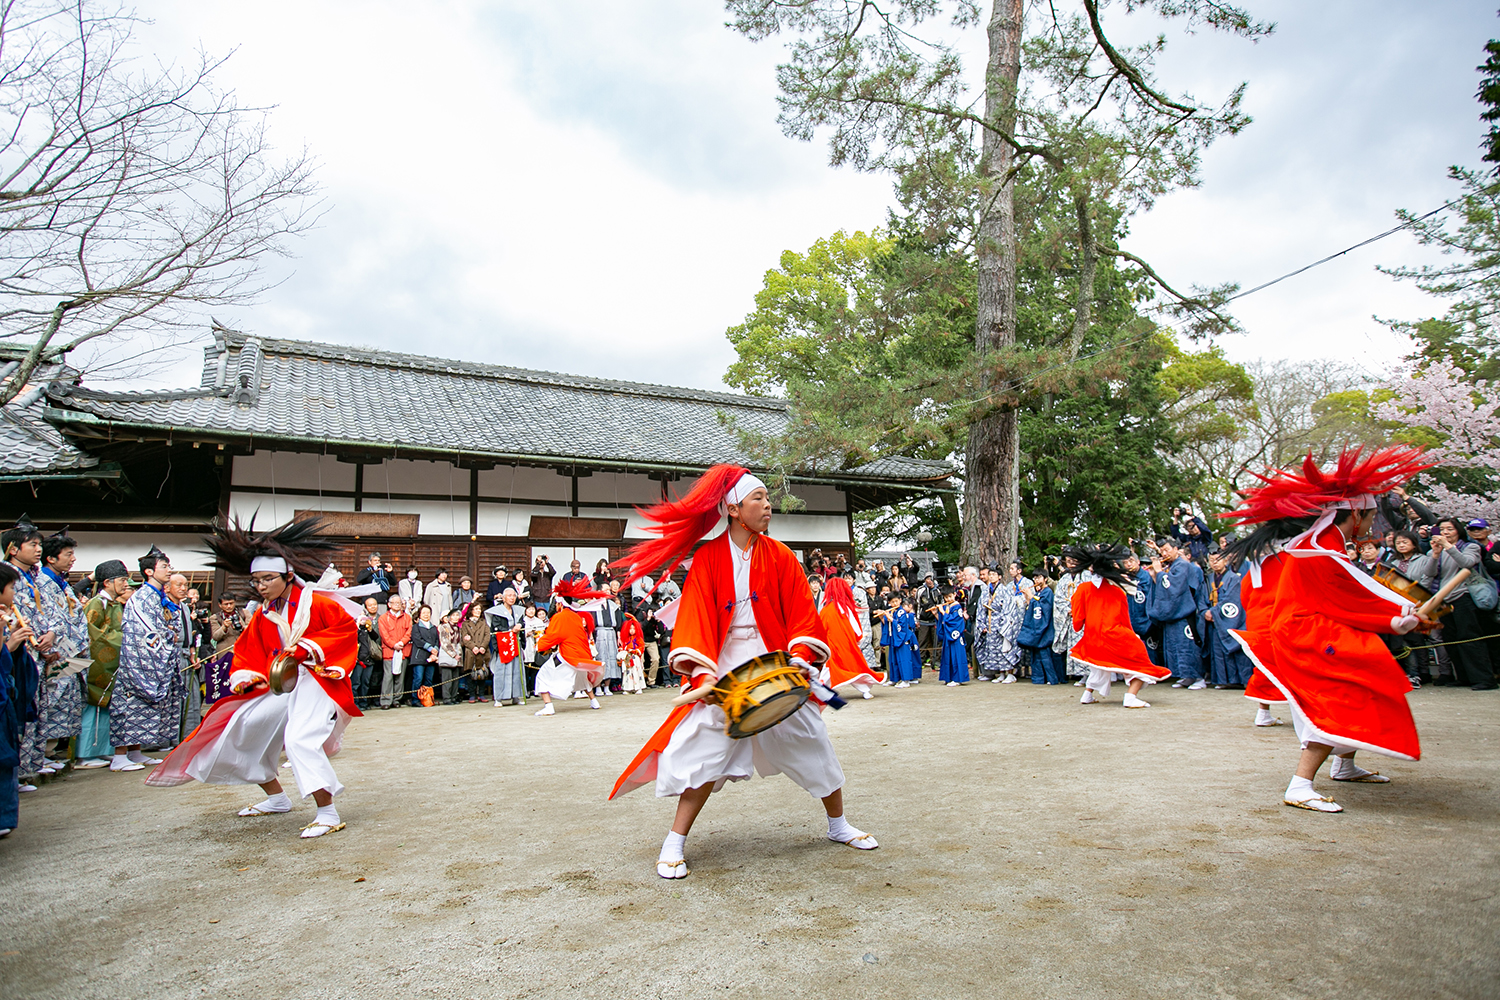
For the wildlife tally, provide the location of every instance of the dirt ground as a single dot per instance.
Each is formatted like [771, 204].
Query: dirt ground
[1030, 847]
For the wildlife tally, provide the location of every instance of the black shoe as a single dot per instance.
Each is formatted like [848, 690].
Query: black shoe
[1484, 687]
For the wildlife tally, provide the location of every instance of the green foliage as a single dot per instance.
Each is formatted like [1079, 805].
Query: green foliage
[1094, 461]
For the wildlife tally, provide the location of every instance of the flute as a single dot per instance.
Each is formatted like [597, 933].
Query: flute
[13, 619]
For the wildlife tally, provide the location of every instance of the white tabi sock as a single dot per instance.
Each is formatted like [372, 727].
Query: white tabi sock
[840, 829]
[327, 816]
[1300, 790]
[1344, 769]
[278, 803]
[673, 847]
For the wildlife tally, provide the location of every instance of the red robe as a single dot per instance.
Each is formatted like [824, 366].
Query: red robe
[568, 632]
[331, 639]
[784, 613]
[1321, 649]
[1102, 610]
[1259, 603]
[846, 663]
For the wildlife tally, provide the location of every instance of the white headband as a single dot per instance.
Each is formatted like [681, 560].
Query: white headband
[268, 564]
[746, 485]
[1364, 501]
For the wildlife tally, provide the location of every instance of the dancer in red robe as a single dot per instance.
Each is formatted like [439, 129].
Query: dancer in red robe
[571, 668]
[1321, 648]
[846, 663]
[1101, 609]
[745, 595]
[241, 738]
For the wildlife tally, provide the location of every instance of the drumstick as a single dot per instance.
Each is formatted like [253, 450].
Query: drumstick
[1436, 600]
[696, 694]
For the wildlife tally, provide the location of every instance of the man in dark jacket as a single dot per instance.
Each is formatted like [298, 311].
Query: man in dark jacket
[542, 573]
[377, 574]
[366, 678]
[496, 587]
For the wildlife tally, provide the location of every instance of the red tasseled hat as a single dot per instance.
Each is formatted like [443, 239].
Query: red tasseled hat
[577, 590]
[1356, 474]
[679, 524]
[841, 596]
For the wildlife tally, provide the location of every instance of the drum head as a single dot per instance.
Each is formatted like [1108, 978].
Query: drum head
[768, 713]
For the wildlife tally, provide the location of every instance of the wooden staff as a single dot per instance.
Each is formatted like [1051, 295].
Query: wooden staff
[1440, 598]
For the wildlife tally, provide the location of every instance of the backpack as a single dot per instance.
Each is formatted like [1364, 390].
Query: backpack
[1482, 586]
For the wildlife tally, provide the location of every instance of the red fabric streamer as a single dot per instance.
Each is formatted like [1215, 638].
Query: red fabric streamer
[680, 524]
[1289, 494]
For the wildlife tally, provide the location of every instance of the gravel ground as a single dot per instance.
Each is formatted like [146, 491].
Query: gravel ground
[1030, 847]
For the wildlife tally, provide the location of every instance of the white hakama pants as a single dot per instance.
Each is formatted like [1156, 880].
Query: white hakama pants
[248, 751]
[306, 721]
[701, 752]
[560, 679]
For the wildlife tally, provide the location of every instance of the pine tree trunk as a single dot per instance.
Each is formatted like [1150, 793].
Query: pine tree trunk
[993, 460]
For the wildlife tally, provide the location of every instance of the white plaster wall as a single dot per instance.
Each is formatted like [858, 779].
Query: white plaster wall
[269, 510]
[291, 470]
[618, 487]
[95, 547]
[524, 483]
[425, 478]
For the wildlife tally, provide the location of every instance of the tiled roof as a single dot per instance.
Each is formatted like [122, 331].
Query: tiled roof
[293, 390]
[29, 446]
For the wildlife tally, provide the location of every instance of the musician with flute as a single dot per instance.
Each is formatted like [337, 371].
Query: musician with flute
[23, 551]
[18, 686]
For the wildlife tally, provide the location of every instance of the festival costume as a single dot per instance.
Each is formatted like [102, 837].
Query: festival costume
[61, 613]
[1064, 636]
[1108, 646]
[733, 610]
[632, 656]
[240, 739]
[1230, 665]
[18, 687]
[1177, 602]
[900, 636]
[33, 743]
[1322, 647]
[508, 678]
[1257, 605]
[572, 666]
[953, 662]
[146, 707]
[1140, 616]
[1036, 635]
[841, 623]
[104, 617]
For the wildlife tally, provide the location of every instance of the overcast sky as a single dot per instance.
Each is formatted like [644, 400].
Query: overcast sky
[598, 186]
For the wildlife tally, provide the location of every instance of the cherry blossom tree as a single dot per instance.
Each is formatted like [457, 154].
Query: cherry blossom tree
[1460, 422]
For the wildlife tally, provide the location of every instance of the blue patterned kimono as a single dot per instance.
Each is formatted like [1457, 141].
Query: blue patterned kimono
[900, 634]
[1230, 665]
[990, 620]
[1177, 602]
[146, 707]
[61, 613]
[33, 743]
[954, 665]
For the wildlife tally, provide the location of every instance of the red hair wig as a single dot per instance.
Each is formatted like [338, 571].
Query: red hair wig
[841, 596]
[577, 590]
[679, 524]
[1289, 494]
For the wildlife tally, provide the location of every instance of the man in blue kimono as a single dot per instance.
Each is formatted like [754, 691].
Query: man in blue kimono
[1140, 618]
[149, 690]
[1037, 633]
[18, 687]
[900, 634]
[1177, 602]
[1230, 666]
